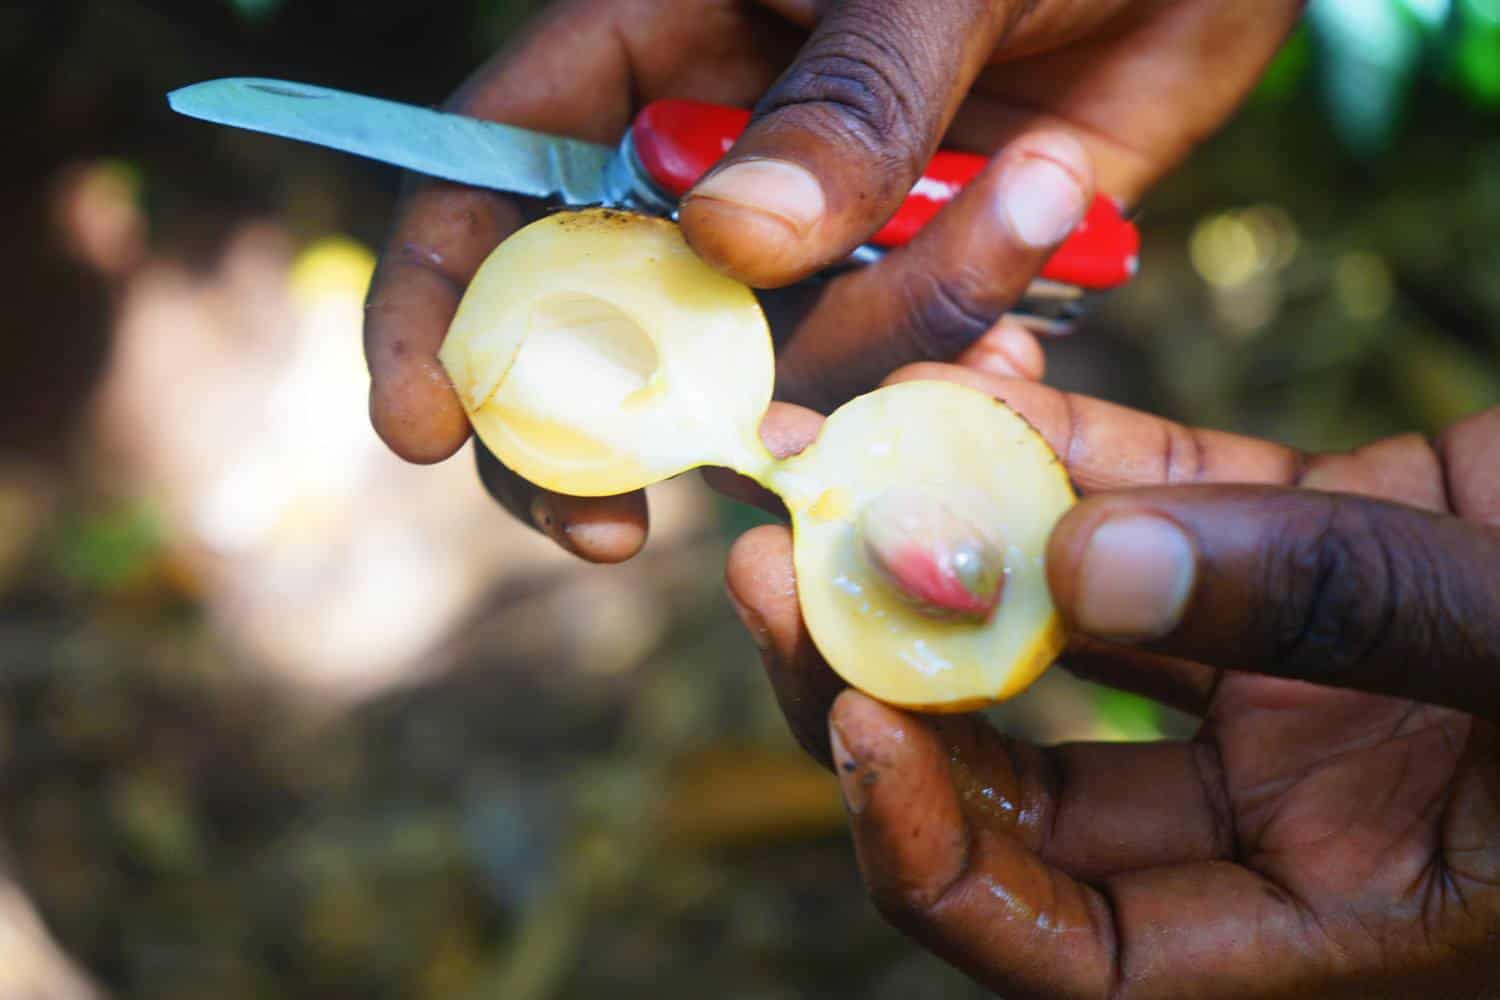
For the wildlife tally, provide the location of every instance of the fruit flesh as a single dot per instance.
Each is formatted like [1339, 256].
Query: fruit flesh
[951, 441]
[569, 375]
[596, 354]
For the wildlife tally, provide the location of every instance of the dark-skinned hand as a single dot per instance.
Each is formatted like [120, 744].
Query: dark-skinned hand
[852, 98]
[1333, 830]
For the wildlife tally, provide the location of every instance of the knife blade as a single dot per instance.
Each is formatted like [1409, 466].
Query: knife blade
[452, 147]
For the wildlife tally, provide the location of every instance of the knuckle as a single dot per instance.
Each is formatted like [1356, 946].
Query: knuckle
[1184, 456]
[945, 314]
[1469, 459]
[1214, 786]
[862, 87]
[1341, 574]
[1014, 15]
[910, 898]
[906, 906]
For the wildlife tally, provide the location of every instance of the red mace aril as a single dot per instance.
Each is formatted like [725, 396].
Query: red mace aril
[934, 553]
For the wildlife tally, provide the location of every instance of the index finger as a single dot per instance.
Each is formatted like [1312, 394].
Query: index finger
[443, 232]
[839, 140]
[1106, 446]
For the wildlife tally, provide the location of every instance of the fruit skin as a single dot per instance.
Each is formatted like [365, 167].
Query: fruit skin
[1044, 649]
[596, 354]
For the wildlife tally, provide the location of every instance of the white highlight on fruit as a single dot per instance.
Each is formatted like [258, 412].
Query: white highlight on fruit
[924, 658]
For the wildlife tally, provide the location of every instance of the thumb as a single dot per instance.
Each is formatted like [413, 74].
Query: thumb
[1327, 588]
[840, 139]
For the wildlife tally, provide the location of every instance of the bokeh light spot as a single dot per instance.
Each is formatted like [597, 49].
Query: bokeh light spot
[1362, 282]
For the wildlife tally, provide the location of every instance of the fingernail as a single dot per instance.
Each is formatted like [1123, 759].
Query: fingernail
[1136, 575]
[1021, 348]
[753, 622]
[1042, 202]
[771, 187]
[1009, 350]
[851, 779]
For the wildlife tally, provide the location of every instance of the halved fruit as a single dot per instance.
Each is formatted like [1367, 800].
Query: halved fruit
[596, 354]
[981, 464]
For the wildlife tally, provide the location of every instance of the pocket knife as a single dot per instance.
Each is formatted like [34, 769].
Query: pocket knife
[668, 147]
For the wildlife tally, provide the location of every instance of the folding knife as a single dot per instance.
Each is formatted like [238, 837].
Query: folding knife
[669, 146]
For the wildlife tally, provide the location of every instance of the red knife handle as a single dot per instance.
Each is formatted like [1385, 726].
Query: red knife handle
[677, 142]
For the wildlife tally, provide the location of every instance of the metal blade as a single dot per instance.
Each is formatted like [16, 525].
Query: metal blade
[453, 147]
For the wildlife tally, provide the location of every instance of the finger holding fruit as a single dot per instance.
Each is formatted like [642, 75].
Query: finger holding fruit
[1055, 92]
[1339, 615]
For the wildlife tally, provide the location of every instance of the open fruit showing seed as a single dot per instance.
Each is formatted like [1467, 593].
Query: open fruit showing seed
[596, 354]
[945, 560]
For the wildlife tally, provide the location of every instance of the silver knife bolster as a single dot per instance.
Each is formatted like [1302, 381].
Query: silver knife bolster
[629, 184]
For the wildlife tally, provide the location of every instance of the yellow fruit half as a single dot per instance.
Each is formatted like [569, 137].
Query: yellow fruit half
[951, 442]
[596, 354]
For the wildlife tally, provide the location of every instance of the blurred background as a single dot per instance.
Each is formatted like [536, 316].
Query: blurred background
[283, 717]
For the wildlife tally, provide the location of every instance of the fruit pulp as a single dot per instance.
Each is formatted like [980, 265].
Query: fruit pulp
[596, 354]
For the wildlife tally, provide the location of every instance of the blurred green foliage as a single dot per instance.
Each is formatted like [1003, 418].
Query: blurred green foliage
[107, 549]
[1475, 51]
[1129, 716]
[256, 10]
[496, 20]
[1373, 55]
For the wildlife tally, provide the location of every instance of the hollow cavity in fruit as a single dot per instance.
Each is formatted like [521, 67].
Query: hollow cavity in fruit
[596, 354]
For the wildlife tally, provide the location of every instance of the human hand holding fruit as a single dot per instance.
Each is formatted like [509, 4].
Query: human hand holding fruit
[1054, 86]
[595, 353]
[1312, 839]
[1333, 829]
